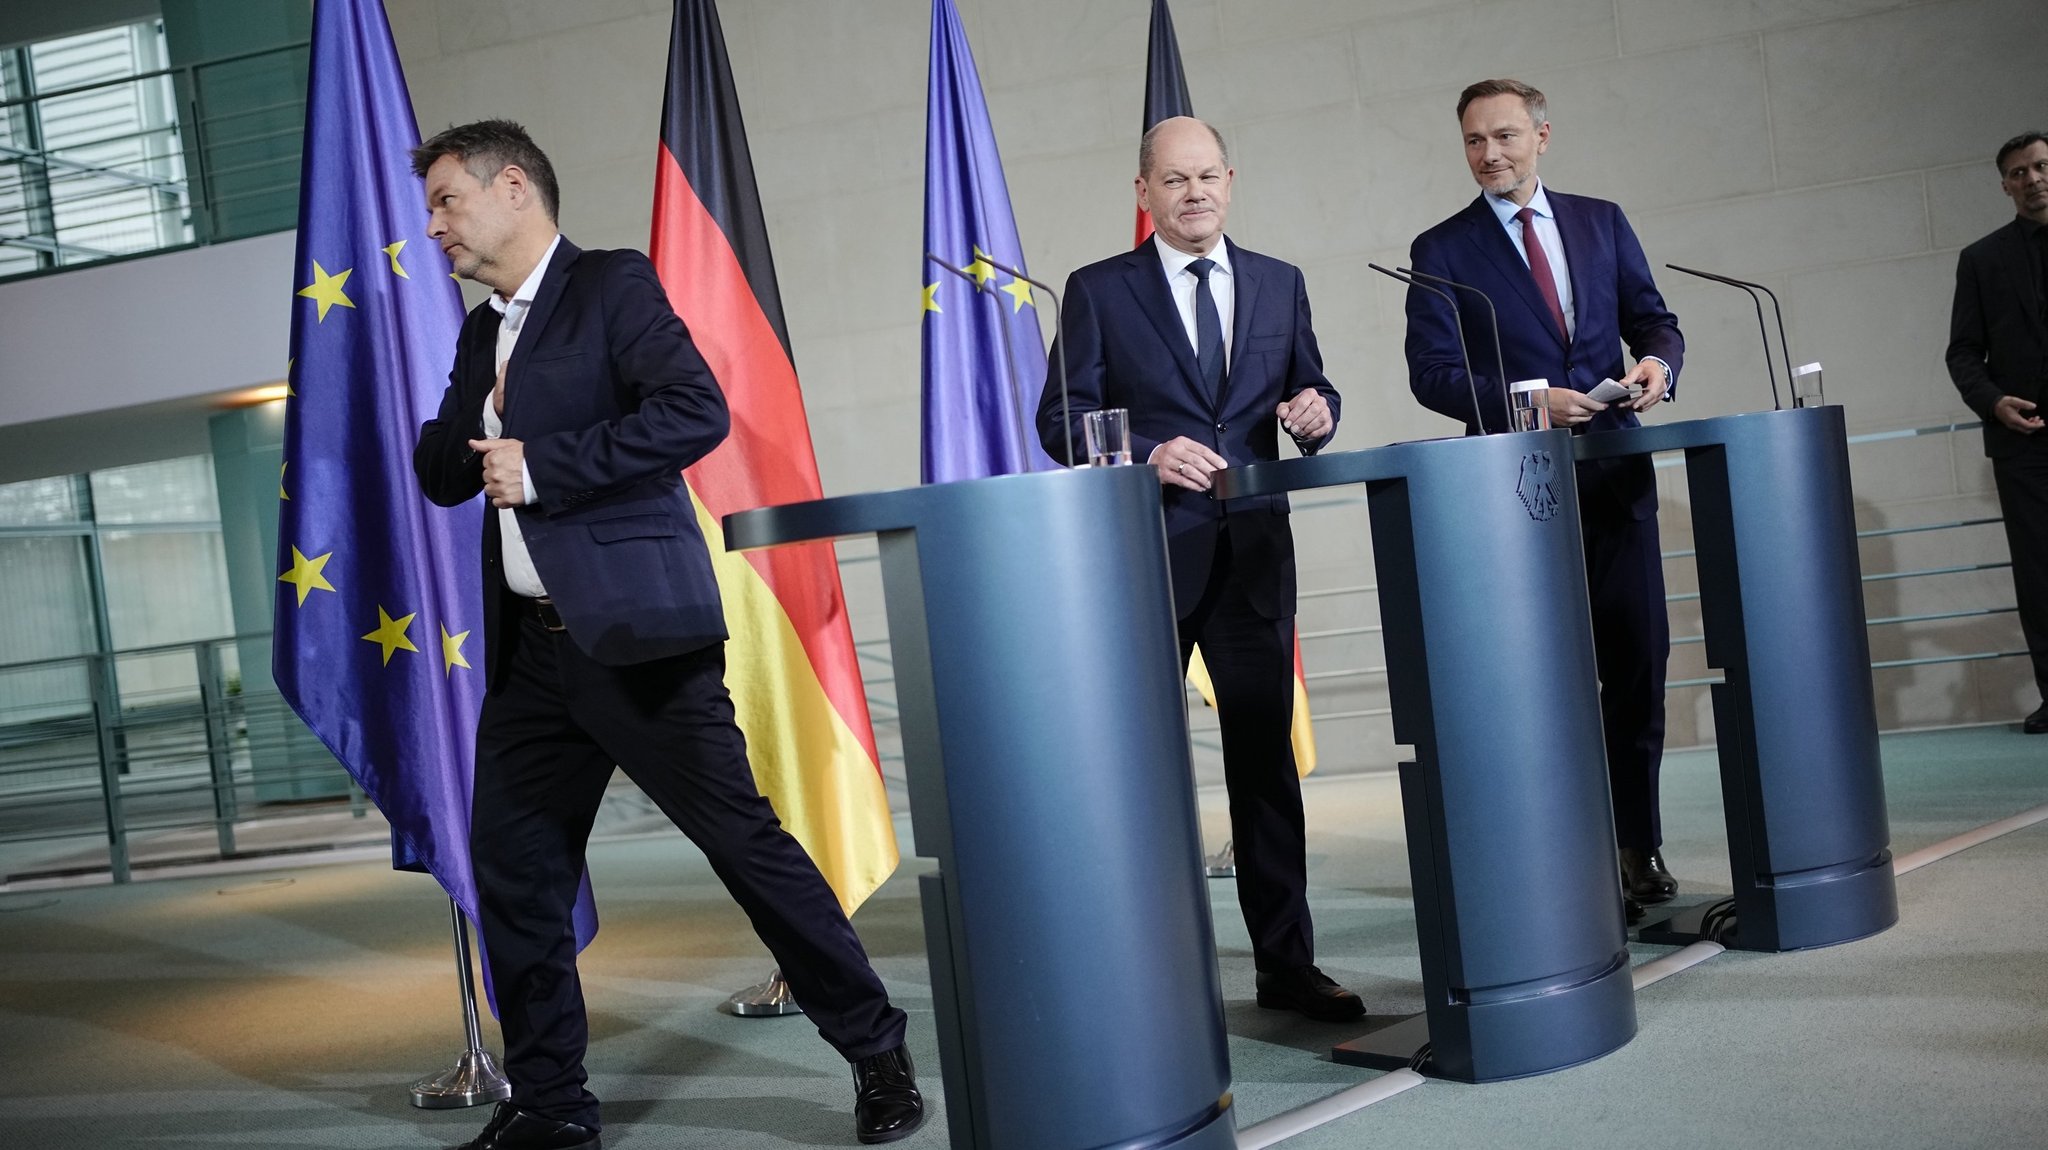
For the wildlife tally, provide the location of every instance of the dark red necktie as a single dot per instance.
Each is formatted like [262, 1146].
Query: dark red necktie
[1539, 267]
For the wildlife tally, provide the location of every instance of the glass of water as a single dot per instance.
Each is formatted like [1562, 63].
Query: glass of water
[1530, 401]
[1108, 435]
[1806, 386]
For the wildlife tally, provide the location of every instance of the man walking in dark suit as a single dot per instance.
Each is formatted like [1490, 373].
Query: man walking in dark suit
[576, 400]
[1209, 348]
[1572, 287]
[1998, 358]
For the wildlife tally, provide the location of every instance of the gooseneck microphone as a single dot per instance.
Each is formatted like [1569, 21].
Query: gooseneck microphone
[1457, 324]
[1493, 315]
[1058, 330]
[1762, 333]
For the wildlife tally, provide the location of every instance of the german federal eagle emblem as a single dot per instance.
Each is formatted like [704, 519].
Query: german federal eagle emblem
[1538, 486]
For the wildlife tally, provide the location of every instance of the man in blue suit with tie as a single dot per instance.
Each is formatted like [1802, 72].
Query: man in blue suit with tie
[576, 400]
[1209, 348]
[1572, 288]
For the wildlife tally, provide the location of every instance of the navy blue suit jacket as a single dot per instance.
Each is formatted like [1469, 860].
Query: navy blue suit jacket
[611, 400]
[1614, 301]
[1125, 346]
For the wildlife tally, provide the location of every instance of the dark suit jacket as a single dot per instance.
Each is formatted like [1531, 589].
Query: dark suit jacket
[1997, 344]
[1614, 301]
[1125, 346]
[612, 401]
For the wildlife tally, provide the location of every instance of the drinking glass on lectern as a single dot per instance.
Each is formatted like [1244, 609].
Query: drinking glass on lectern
[1530, 401]
[1108, 435]
[1806, 386]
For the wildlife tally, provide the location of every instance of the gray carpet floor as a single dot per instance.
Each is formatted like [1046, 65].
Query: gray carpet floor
[290, 1008]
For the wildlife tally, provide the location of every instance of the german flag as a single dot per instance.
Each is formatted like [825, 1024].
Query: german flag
[791, 666]
[1166, 96]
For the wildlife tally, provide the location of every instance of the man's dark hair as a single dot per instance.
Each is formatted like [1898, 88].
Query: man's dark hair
[2018, 143]
[488, 147]
[1539, 108]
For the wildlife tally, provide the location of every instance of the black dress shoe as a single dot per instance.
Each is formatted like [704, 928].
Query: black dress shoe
[886, 1104]
[2036, 723]
[1644, 878]
[1631, 910]
[514, 1129]
[1310, 992]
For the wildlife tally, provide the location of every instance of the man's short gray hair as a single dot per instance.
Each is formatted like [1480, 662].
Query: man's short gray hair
[1152, 133]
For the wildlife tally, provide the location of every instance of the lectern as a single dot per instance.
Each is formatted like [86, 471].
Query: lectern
[1038, 675]
[1781, 601]
[1518, 914]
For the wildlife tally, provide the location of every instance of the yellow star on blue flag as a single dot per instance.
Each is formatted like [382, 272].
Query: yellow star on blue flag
[325, 289]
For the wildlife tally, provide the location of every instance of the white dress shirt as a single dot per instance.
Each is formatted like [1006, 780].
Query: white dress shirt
[1553, 246]
[1546, 234]
[1182, 282]
[520, 574]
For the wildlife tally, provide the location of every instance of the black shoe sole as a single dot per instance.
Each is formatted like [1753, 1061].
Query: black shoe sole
[896, 1135]
[1654, 899]
[1279, 1002]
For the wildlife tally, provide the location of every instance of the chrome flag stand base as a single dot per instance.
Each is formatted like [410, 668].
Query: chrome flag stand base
[475, 1079]
[770, 999]
[1222, 864]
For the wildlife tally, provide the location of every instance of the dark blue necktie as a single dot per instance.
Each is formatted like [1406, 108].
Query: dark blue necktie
[1208, 331]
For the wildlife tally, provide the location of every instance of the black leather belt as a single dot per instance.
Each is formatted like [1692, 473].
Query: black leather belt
[543, 609]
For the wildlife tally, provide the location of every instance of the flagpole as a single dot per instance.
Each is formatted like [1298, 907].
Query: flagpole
[475, 1078]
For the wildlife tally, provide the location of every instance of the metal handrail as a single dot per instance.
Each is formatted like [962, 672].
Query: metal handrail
[189, 212]
[176, 758]
[1677, 459]
[169, 70]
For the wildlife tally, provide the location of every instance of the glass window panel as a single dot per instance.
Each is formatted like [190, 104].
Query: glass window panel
[46, 598]
[164, 587]
[157, 679]
[165, 491]
[40, 695]
[114, 181]
[42, 501]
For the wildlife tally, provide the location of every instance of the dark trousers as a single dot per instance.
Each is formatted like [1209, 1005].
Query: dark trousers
[1251, 664]
[1631, 645]
[2023, 499]
[546, 745]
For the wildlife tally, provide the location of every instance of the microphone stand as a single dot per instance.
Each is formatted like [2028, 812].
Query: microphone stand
[1457, 324]
[1761, 331]
[1492, 314]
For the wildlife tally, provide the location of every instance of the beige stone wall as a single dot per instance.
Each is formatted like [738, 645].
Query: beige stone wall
[1839, 150]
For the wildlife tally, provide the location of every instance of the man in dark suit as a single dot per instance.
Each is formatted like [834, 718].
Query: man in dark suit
[1568, 303]
[1209, 348]
[576, 400]
[1998, 358]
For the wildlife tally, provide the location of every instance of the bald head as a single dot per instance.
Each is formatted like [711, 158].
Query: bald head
[1184, 183]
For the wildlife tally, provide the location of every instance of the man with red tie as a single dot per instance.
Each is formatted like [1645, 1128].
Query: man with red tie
[1572, 288]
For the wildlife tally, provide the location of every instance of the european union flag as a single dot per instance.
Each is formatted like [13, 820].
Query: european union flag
[379, 615]
[984, 357]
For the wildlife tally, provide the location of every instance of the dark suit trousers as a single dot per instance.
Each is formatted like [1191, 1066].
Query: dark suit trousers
[546, 744]
[1631, 645]
[2023, 498]
[1251, 664]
